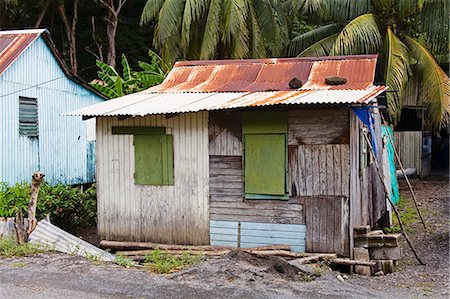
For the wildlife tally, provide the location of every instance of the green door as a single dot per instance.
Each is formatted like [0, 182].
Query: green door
[265, 164]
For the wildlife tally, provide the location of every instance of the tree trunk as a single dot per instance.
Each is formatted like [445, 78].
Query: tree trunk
[36, 181]
[70, 28]
[42, 14]
[111, 30]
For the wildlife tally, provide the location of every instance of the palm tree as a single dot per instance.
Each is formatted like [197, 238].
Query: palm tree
[408, 34]
[208, 29]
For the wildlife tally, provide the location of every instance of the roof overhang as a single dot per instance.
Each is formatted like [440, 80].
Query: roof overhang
[142, 103]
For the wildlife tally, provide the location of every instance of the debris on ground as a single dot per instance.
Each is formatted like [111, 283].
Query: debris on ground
[54, 238]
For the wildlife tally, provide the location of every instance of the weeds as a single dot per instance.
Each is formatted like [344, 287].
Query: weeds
[10, 248]
[408, 214]
[162, 263]
[124, 262]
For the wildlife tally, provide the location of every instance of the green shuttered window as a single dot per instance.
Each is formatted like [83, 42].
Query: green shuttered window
[265, 155]
[28, 117]
[153, 155]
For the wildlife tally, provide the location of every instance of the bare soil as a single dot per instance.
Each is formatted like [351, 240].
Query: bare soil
[241, 275]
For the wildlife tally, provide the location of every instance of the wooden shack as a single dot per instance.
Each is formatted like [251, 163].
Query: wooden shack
[228, 153]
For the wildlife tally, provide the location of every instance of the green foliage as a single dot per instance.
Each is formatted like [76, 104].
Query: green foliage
[124, 262]
[112, 85]
[162, 263]
[68, 207]
[10, 248]
[13, 199]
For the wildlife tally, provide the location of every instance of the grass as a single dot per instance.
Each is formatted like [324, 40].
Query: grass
[124, 262]
[18, 264]
[10, 248]
[408, 214]
[162, 263]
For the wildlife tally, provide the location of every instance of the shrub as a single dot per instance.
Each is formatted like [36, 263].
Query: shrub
[68, 207]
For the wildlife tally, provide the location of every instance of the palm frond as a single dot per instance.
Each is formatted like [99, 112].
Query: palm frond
[360, 36]
[302, 41]
[396, 73]
[236, 32]
[256, 39]
[435, 24]
[168, 29]
[150, 11]
[320, 48]
[406, 8]
[193, 11]
[308, 7]
[434, 86]
[273, 24]
[345, 10]
[211, 36]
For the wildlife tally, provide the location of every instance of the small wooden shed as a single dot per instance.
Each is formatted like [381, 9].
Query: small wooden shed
[229, 152]
[36, 89]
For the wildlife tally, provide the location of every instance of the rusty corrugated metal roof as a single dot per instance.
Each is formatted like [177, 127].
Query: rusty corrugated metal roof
[195, 86]
[268, 74]
[142, 103]
[13, 44]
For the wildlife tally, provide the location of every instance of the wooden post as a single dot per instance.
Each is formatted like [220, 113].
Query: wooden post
[388, 196]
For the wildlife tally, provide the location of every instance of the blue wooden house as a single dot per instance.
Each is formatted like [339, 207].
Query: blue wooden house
[36, 89]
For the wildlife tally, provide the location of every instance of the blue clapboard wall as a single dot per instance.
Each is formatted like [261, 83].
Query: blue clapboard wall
[252, 234]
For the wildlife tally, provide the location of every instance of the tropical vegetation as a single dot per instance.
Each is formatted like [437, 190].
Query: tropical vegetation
[408, 35]
[113, 85]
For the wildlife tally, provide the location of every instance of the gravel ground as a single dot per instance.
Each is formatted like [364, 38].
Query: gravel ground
[239, 275]
[432, 245]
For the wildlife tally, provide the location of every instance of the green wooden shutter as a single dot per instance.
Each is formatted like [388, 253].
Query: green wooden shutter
[148, 160]
[167, 159]
[153, 156]
[265, 164]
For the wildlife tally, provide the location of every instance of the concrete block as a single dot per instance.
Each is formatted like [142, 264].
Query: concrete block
[361, 254]
[387, 266]
[376, 240]
[392, 240]
[385, 253]
[361, 230]
[361, 241]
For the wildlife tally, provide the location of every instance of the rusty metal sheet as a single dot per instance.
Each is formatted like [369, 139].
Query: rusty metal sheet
[13, 44]
[268, 74]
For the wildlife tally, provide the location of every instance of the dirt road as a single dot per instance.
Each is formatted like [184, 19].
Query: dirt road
[61, 276]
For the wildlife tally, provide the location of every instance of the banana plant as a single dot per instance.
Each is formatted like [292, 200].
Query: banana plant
[114, 85]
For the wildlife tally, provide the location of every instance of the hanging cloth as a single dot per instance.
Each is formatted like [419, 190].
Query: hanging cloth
[363, 113]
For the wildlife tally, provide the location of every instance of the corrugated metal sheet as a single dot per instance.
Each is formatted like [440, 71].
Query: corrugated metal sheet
[13, 44]
[61, 149]
[177, 214]
[268, 74]
[143, 103]
[57, 239]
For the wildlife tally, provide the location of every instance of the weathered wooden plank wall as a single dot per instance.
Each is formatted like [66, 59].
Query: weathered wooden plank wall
[227, 202]
[318, 126]
[166, 214]
[409, 147]
[319, 171]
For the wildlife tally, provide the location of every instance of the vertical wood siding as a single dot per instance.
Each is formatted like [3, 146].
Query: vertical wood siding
[61, 150]
[175, 214]
[409, 148]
